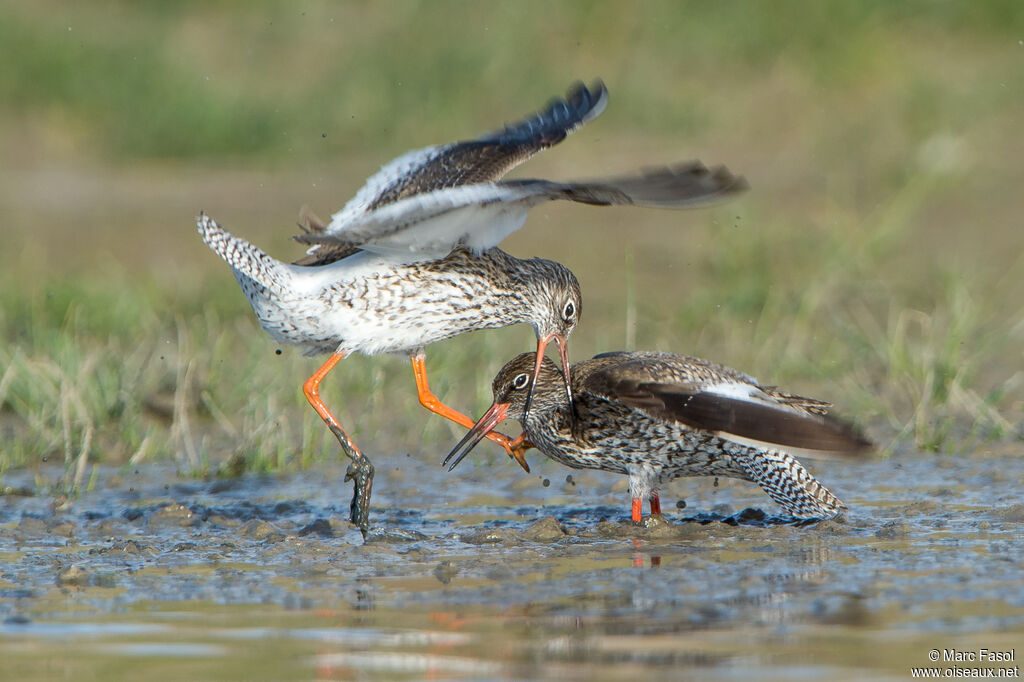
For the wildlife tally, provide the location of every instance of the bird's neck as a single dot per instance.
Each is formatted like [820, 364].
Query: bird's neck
[514, 287]
[549, 424]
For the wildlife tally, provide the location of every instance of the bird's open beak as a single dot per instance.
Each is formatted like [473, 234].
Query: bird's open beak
[491, 418]
[563, 357]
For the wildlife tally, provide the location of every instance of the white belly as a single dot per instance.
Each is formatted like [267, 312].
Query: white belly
[366, 304]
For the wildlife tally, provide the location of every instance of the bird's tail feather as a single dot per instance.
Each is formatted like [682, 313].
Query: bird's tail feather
[244, 258]
[787, 482]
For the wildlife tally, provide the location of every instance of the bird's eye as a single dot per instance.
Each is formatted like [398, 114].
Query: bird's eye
[520, 382]
[569, 311]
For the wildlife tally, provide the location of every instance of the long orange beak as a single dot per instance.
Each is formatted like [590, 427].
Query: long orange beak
[494, 415]
[563, 357]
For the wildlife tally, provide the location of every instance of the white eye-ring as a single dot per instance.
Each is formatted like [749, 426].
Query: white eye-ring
[569, 311]
[520, 381]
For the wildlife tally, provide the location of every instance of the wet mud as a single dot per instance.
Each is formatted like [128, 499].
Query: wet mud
[490, 573]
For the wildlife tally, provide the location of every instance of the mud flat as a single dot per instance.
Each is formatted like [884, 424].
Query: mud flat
[490, 573]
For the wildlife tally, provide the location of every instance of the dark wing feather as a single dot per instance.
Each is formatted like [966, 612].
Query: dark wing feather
[797, 423]
[488, 158]
[684, 185]
[753, 421]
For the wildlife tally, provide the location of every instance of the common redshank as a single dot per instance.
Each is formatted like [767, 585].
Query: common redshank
[658, 416]
[410, 260]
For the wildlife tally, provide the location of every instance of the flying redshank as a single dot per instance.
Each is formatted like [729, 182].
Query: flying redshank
[410, 260]
[658, 416]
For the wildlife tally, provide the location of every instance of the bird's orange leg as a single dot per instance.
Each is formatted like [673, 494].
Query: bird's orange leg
[360, 471]
[638, 509]
[655, 502]
[515, 448]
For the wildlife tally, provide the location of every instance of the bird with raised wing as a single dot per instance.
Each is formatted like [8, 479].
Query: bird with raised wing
[411, 259]
[659, 416]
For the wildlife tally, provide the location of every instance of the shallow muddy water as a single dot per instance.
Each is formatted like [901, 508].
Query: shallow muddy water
[491, 573]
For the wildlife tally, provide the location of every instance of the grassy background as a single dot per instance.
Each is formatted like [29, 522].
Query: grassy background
[877, 261]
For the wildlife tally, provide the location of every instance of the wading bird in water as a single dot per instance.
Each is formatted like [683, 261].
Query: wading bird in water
[411, 259]
[658, 416]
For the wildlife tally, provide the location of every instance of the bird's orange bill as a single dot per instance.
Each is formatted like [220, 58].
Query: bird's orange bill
[563, 357]
[490, 419]
[514, 448]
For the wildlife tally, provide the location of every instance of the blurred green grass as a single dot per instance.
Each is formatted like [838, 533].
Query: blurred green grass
[877, 261]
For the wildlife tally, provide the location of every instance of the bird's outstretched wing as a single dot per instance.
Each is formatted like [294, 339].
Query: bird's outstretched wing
[713, 398]
[485, 159]
[432, 169]
[479, 216]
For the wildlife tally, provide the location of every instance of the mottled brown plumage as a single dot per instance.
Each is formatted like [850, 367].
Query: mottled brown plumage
[658, 416]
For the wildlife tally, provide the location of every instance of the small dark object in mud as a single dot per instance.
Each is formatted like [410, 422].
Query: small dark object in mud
[546, 483]
[173, 515]
[257, 530]
[321, 527]
[72, 576]
[893, 530]
[123, 547]
[445, 571]
[748, 515]
[544, 530]
[681, 504]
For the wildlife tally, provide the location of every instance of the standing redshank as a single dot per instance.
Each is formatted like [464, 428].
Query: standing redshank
[658, 416]
[410, 260]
